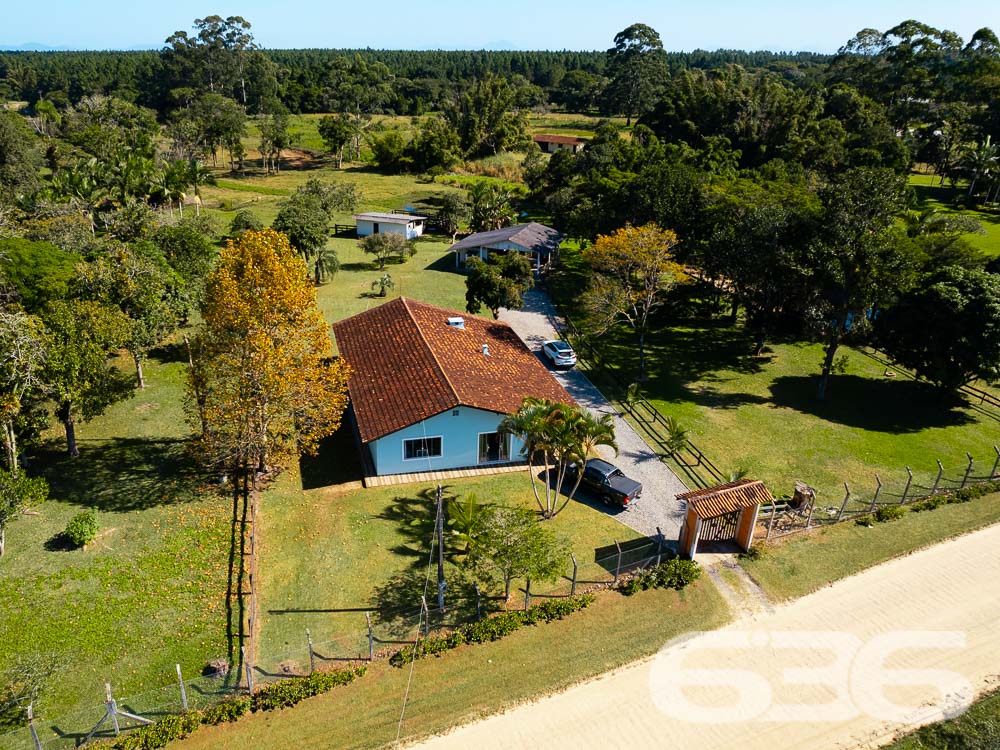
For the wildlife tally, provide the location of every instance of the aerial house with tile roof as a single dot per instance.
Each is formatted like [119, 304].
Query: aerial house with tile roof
[429, 386]
[537, 241]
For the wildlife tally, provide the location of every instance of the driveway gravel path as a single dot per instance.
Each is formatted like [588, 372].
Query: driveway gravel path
[943, 598]
[538, 322]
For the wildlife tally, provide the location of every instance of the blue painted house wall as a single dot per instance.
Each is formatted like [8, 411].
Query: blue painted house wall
[459, 442]
[483, 253]
[411, 231]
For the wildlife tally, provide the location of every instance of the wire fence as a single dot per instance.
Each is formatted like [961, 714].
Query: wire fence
[379, 633]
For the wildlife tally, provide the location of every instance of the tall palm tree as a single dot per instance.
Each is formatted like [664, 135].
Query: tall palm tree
[980, 160]
[531, 424]
[585, 433]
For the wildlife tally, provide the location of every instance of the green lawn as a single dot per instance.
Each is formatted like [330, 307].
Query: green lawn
[475, 681]
[329, 555]
[805, 562]
[932, 194]
[150, 592]
[976, 729]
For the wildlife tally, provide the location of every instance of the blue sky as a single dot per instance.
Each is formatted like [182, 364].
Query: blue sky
[507, 24]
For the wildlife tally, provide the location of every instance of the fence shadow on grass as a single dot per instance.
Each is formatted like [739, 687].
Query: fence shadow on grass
[900, 406]
[123, 474]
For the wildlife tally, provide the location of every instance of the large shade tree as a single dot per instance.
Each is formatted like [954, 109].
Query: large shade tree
[24, 344]
[265, 383]
[947, 330]
[633, 269]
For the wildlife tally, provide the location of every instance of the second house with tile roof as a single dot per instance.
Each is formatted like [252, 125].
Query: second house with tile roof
[429, 386]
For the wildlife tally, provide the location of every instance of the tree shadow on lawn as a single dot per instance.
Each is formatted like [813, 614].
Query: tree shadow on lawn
[444, 264]
[891, 406]
[122, 474]
[413, 518]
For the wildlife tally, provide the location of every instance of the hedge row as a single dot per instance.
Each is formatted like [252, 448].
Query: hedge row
[492, 628]
[964, 495]
[284, 694]
[673, 574]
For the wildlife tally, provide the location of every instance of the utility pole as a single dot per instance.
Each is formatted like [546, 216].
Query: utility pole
[439, 531]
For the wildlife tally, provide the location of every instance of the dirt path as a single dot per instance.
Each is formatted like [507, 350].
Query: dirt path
[952, 587]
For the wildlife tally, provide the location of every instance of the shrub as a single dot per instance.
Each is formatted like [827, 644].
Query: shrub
[865, 520]
[82, 528]
[160, 734]
[931, 503]
[754, 553]
[287, 693]
[492, 628]
[226, 711]
[889, 513]
[672, 574]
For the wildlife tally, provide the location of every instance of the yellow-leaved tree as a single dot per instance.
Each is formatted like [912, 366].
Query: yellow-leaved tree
[265, 385]
[633, 269]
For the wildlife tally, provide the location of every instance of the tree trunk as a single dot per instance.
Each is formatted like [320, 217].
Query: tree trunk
[140, 380]
[340, 158]
[758, 348]
[734, 311]
[10, 446]
[824, 381]
[69, 423]
[642, 356]
[506, 589]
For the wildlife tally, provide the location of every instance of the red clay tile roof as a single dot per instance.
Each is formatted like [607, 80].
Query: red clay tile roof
[408, 364]
[726, 498]
[569, 140]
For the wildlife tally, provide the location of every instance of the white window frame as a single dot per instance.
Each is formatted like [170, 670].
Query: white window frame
[479, 437]
[422, 458]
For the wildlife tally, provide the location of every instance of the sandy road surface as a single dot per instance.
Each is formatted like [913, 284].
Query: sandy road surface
[954, 586]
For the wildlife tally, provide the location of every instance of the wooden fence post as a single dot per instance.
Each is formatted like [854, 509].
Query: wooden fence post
[659, 545]
[247, 669]
[996, 463]
[112, 708]
[618, 567]
[937, 481]
[809, 518]
[572, 588]
[878, 491]
[31, 727]
[479, 602]
[843, 505]
[968, 469]
[180, 681]
[426, 615]
[312, 654]
[371, 637]
[527, 593]
[770, 521]
[909, 481]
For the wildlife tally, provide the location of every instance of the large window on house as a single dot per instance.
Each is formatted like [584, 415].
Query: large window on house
[493, 447]
[428, 447]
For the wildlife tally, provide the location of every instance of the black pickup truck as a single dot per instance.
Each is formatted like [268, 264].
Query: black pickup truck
[608, 482]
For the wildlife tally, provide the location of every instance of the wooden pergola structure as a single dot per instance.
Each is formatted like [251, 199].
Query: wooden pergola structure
[725, 513]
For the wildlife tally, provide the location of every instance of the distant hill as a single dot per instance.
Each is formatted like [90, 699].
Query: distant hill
[32, 47]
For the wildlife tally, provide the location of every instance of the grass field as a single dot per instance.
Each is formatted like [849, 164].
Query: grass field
[933, 195]
[976, 729]
[150, 591]
[328, 556]
[806, 562]
[476, 681]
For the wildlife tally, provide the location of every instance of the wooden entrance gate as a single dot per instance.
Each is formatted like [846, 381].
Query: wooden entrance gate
[721, 528]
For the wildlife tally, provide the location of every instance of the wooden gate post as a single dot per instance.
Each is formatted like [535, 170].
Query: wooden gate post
[618, 567]
[572, 588]
[31, 727]
[180, 681]
[312, 654]
[909, 481]
[371, 637]
[878, 491]
[968, 469]
[937, 481]
[843, 505]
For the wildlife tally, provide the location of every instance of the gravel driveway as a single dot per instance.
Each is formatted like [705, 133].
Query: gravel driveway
[538, 322]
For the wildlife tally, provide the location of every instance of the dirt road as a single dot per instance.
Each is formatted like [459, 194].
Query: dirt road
[942, 596]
